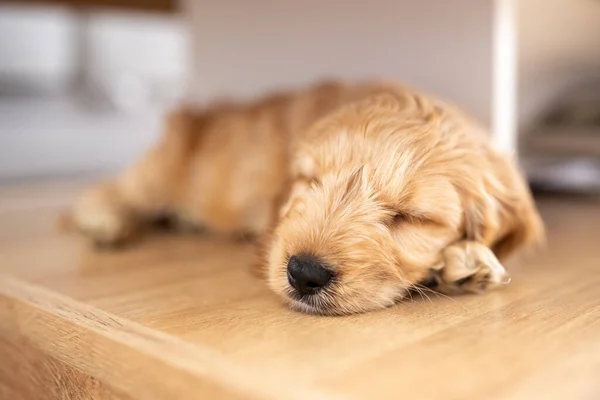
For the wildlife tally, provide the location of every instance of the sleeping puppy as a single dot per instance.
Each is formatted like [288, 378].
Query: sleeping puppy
[359, 192]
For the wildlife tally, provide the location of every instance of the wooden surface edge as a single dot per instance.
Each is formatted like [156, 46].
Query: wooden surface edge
[131, 359]
[27, 373]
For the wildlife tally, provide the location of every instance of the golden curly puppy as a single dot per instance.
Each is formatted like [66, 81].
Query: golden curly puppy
[361, 192]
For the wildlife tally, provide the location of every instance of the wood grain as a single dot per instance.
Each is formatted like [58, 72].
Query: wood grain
[182, 317]
[26, 372]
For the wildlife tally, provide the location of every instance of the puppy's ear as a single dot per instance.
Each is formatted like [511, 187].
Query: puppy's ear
[499, 209]
[526, 233]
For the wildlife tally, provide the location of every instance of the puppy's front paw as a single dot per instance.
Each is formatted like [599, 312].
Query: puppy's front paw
[470, 267]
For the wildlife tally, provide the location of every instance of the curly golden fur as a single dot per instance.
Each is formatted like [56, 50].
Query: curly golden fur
[382, 187]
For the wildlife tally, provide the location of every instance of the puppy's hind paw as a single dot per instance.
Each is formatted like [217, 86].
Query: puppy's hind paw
[470, 267]
[100, 216]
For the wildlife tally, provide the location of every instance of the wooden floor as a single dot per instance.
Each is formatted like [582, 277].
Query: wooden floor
[182, 318]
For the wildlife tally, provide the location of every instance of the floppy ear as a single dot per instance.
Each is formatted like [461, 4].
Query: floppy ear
[499, 209]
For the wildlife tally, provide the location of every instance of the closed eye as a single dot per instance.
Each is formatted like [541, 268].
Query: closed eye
[396, 218]
[399, 218]
[311, 182]
[393, 217]
[314, 183]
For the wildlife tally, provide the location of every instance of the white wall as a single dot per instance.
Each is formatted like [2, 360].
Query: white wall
[248, 47]
[559, 47]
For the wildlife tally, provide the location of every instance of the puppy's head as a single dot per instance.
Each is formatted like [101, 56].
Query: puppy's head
[380, 189]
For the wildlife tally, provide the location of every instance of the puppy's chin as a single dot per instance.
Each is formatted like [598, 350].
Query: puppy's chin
[341, 302]
[310, 308]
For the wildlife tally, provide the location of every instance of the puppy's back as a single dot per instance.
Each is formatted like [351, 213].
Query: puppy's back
[231, 160]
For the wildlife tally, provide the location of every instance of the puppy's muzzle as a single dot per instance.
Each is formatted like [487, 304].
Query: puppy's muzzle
[306, 274]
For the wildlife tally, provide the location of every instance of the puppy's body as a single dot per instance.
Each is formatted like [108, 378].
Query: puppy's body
[388, 186]
[225, 168]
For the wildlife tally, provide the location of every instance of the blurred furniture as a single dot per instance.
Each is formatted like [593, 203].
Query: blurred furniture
[562, 151]
[49, 137]
[83, 93]
[145, 5]
[559, 93]
[505, 61]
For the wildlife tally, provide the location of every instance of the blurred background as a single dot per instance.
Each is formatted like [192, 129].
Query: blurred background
[84, 84]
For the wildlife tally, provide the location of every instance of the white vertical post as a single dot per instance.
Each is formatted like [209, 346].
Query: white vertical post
[504, 102]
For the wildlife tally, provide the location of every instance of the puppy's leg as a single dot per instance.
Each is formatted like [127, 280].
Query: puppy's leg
[470, 267]
[115, 211]
[103, 215]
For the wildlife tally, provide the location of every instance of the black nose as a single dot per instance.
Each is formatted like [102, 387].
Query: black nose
[306, 274]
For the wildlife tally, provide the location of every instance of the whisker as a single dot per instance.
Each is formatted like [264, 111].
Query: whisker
[411, 298]
[421, 287]
[421, 293]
